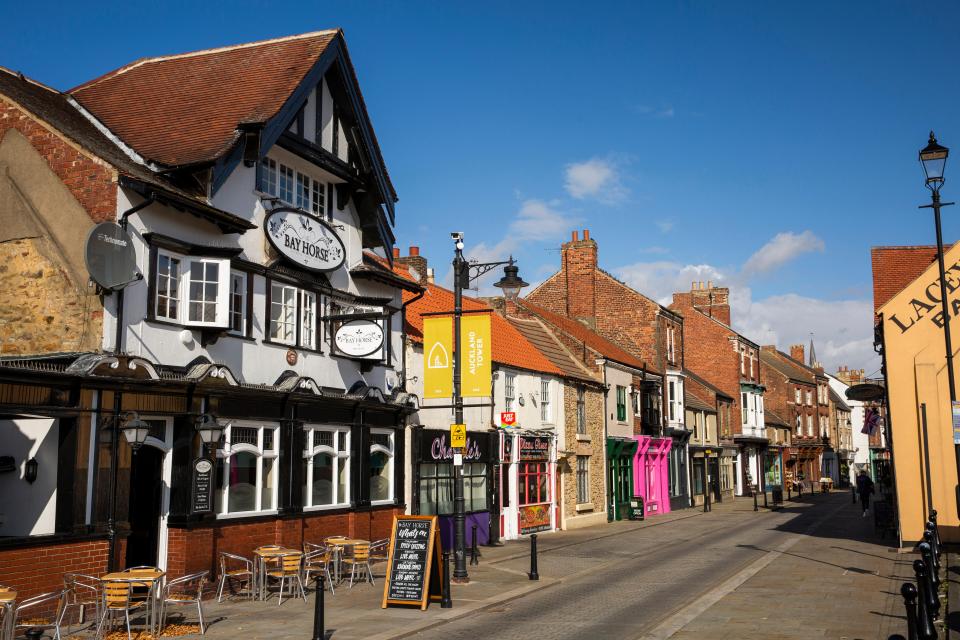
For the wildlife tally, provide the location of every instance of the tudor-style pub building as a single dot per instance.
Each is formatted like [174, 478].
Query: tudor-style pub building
[250, 183]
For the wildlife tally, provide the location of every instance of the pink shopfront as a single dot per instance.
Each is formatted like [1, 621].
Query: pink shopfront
[651, 473]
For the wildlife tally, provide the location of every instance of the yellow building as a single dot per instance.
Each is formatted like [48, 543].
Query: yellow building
[916, 376]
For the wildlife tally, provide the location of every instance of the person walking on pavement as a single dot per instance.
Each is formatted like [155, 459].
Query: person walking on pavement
[865, 490]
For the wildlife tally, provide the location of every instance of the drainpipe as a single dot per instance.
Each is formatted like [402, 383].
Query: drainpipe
[403, 356]
[118, 339]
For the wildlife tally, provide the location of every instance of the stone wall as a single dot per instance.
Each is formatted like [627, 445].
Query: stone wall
[592, 445]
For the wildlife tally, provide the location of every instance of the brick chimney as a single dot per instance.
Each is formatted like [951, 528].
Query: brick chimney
[797, 352]
[711, 301]
[579, 266]
[415, 262]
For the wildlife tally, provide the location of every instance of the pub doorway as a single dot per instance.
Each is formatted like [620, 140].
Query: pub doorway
[149, 497]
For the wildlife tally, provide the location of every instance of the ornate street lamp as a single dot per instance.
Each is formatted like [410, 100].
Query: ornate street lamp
[135, 430]
[933, 158]
[210, 429]
[510, 283]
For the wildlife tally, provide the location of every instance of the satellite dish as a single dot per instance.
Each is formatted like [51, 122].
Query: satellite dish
[110, 258]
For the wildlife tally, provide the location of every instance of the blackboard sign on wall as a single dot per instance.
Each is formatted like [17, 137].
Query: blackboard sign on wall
[414, 562]
[201, 486]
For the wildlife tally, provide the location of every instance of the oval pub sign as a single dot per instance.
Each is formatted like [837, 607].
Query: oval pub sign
[359, 338]
[305, 240]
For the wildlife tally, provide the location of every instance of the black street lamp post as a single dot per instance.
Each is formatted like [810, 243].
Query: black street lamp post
[510, 283]
[933, 158]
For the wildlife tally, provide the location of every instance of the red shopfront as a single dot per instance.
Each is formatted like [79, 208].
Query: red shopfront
[528, 484]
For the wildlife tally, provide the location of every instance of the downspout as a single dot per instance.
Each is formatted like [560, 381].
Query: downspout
[118, 339]
[403, 356]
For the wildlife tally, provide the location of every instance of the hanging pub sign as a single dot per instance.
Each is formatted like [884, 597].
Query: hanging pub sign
[359, 338]
[201, 486]
[304, 240]
[537, 448]
[414, 562]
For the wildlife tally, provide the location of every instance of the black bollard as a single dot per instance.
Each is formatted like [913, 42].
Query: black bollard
[925, 628]
[446, 602]
[909, 593]
[936, 528]
[933, 599]
[755, 508]
[534, 574]
[935, 540]
[789, 497]
[473, 548]
[318, 626]
[765, 498]
[930, 539]
[34, 633]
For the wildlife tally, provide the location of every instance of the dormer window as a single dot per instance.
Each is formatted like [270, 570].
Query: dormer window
[295, 189]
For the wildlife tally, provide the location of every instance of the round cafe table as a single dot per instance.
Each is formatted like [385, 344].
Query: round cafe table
[340, 545]
[8, 598]
[150, 578]
[263, 555]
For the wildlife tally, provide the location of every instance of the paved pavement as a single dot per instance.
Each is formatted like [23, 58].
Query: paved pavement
[812, 570]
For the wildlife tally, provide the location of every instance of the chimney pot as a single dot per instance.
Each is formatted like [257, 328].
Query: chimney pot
[574, 236]
[396, 252]
[414, 251]
[586, 234]
[701, 284]
[709, 284]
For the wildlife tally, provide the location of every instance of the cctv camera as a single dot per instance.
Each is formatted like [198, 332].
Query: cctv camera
[457, 236]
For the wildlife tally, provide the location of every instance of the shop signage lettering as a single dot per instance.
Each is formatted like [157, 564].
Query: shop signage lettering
[435, 447]
[929, 304]
[534, 448]
[508, 418]
[414, 564]
[475, 341]
[304, 240]
[534, 518]
[359, 338]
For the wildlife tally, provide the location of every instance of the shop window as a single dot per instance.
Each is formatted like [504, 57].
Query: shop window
[202, 283]
[678, 465]
[326, 459]
[509, 390]
[583, 479]
[581, 411]
[381, 465]
[534, 483]
[293, 316]
[436, 488]
[545, 415]
[621, 403]
[698, 473]
[247, 470]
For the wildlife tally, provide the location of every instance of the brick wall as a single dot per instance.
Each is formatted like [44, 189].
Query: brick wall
[91, 181]
[33, 570]
[198, 549]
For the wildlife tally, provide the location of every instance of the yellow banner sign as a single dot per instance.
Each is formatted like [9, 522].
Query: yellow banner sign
[475, 342]
[437, 357]
[458, 436]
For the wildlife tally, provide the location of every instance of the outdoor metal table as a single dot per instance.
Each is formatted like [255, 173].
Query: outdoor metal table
[340, 544]
[8, 599]
[150, 577]
[260, 567]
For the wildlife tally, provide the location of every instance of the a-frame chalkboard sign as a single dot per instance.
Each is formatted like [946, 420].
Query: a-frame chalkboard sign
[415, 562]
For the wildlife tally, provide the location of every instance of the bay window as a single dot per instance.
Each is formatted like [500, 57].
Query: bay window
[381, 465]
[293, 316]
[203, 284]
[327, 466]
[247, 469]
[675, 400]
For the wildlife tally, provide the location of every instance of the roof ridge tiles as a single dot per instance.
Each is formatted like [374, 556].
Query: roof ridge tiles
[199, 52]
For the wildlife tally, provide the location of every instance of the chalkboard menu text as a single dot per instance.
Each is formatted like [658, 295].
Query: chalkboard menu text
[201, 487]
[414, 562]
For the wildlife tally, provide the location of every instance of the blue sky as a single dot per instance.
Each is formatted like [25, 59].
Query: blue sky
[763, 145]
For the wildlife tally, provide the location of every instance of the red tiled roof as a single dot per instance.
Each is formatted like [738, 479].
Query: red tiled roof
[183, 109]
[509, 346]
[896, 267]
[584, 334]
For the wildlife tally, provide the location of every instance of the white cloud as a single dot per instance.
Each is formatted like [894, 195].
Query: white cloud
[665, 226]
[783, 248]
[659, 280]
[655, 112]
[596, 178]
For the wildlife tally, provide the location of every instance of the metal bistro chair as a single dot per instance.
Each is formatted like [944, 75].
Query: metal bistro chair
[34, 608]
[81, 591]
[187, 590]
[287, 567]
[359, 557]
[317, 559]
[117, 599]
[235, 568]
[379, 550]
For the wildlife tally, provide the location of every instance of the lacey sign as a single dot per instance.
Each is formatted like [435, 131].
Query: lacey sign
[359, 338]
